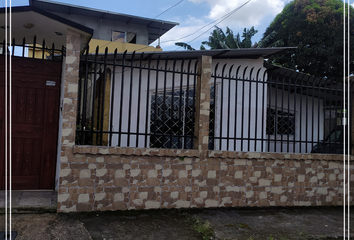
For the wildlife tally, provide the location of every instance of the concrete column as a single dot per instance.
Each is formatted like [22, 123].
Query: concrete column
[202, 106]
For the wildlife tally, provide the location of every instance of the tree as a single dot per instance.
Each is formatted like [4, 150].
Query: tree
[220, 40]
[315, 27]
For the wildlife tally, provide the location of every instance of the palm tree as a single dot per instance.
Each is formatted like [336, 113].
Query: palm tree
[220, 40]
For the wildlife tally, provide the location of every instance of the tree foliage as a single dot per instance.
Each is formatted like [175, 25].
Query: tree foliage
[219, 39]
[315, 27]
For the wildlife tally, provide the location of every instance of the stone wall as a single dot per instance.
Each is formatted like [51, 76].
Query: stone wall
[112, 178]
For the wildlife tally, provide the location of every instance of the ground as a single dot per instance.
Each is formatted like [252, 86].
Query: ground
[222, 223]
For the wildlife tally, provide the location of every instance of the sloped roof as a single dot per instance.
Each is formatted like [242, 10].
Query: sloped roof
[155, 27]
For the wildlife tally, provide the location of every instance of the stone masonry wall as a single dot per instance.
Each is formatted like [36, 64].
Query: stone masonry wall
[112, 178]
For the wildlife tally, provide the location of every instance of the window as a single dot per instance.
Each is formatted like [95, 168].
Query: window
[118, 36]
[123, 37]
[280, 122]
[172, 119]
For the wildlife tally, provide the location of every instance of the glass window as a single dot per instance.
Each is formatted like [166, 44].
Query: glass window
[280, 122]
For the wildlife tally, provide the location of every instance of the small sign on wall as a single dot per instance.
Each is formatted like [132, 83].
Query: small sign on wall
[50, 83]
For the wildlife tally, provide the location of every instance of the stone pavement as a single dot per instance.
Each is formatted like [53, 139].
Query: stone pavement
[225, 223]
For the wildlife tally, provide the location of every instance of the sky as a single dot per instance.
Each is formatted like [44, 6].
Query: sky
[192, 15]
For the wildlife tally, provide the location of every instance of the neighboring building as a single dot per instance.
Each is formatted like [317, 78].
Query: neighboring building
[110, 29]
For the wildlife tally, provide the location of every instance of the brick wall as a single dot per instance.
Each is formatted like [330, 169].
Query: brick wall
[112, 178]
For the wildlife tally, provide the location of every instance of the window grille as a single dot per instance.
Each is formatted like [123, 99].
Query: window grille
[172, 119]
[279, 122]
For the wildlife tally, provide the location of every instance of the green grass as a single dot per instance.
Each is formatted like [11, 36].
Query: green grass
[203, 228]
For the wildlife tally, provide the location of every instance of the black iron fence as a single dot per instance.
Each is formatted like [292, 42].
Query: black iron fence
[132, 100]
[33, 49]
[277, 110]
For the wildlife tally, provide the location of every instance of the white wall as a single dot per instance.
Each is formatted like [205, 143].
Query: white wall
[238, 99]
[145, 98]
[103, 28]
[247, 102]
[303, 120]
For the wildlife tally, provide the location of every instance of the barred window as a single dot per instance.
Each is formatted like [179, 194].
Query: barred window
[172, 119]
[280, 122]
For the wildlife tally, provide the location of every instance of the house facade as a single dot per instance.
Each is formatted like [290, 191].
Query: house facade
[225, 162]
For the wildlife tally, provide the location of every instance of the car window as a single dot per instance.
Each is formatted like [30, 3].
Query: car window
[335, 136]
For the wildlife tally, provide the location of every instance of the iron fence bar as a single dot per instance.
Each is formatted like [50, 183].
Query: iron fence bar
[147, 103]
[319, 114]
[172, 101]
[85, 99]
[256, 113]
[301, 88]
[112, 100]
[139, 96]
[313, 112]
[4, 47]
[236, 105]
[324, 112]
[43, 48]
[34, 46]
[23, 46]
[164, 100]
[98, 104]
[13, 46]
[194, 98]
[295, 115]
[228, 111]
[282, 116]
[121, 99]
[156, 91]
[104, 79]
[215, 113]
[221, 104]
[266, 106]
[187, 104]
[249, 110]
[180, 103]
[93, 99]
[307, 116]
[243, 108]
[130, 97]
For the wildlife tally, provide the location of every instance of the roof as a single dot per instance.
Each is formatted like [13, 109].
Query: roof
[304, 84]
[155, 27]
[253, 53]
[44, 26]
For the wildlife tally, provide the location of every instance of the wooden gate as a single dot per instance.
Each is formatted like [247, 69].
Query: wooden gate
[35, 98]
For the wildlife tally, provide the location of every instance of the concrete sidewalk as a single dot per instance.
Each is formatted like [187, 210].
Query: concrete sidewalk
[222, 223]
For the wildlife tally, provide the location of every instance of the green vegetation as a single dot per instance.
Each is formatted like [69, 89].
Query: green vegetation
[203, 228]
[315, 27]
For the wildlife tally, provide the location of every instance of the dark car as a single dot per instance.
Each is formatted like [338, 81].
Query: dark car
[332, 144]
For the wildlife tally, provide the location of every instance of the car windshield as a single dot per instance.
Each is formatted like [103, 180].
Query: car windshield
[335, 136]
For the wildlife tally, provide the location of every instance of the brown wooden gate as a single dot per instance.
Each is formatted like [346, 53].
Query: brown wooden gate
[35, 115]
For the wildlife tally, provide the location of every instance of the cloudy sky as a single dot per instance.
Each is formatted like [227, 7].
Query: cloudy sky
[196, 18]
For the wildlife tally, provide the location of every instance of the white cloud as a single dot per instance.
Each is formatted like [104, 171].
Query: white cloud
[252, 14]
[185, 32]
[255, 13]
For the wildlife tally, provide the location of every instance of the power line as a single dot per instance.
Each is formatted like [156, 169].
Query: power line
[222, 19]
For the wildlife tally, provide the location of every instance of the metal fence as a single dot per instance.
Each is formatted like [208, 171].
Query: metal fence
[277, 110]
[132, 100]
[33, 49]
